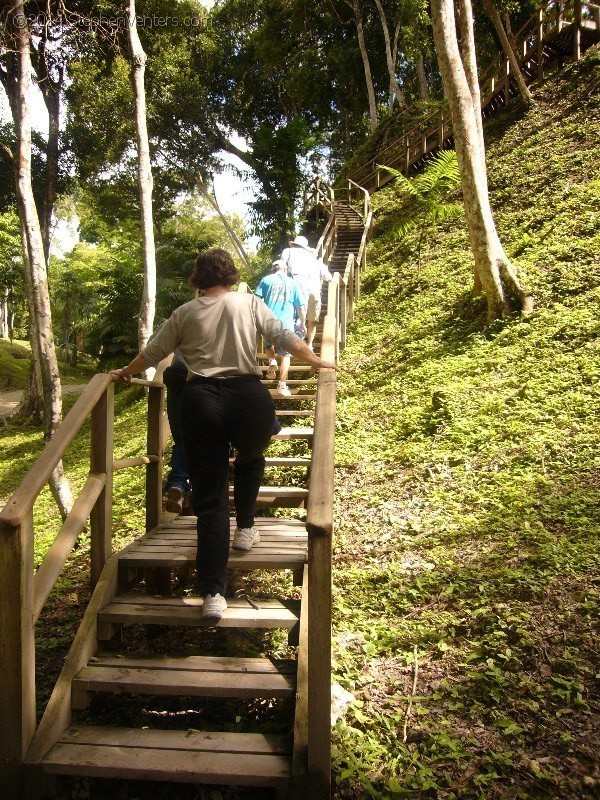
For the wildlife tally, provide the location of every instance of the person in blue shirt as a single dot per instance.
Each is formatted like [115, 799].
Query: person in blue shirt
[283, 297]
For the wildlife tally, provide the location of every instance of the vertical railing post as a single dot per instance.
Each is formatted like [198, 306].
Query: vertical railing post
[441, 134]
[101, 460]
[406, 154]
[559, 15]
[17, 653]
[154, 447]
[319, 524]
[577, 31]
[507, 81]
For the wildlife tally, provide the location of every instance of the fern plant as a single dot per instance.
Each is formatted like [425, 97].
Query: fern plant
[423, 199]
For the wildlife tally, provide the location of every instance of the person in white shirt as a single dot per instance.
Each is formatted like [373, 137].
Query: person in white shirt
[309, 272]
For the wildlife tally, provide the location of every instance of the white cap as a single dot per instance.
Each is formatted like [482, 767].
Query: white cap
[301, 241]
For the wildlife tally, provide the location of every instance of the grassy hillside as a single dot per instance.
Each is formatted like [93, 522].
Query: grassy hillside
[467, 505]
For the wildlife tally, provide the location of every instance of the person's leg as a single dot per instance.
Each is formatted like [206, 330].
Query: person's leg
[272, 371]
[250, 421]
[313, 311]
[174, 379]
[207, 450]
[284, 369]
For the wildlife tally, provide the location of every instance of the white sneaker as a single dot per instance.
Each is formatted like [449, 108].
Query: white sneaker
[245, 538]
[212, 610]
[283, 390]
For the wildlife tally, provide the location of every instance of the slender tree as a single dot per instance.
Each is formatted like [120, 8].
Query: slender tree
[17, 80]
[493, 268]
[509, 51]
[357, 14]
[138, 66]
[391, 53]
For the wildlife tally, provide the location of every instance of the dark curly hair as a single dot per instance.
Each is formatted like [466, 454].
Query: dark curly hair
[214, 267]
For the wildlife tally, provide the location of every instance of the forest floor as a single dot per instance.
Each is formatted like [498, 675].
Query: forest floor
[466, 547]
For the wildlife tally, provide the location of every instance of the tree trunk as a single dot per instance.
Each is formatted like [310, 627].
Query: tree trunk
[4, 315]
[355, 5]
[210, 197]
[422, 80]
[469, 60]
[395, 90]
[52, 98]
[138, 67]
[35, 265]
[509, 52]
[498, 277]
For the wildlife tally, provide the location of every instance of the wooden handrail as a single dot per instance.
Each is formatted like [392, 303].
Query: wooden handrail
[56, 557]
[23, 498]
[319, 517]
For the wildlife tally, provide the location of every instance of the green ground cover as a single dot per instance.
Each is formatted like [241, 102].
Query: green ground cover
[466, 543]
[467, 505]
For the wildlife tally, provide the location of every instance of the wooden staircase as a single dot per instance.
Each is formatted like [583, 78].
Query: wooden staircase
[143, 593]
[559, 31]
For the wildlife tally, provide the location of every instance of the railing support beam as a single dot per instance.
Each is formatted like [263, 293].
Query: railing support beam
[101, 461]
[17, 653]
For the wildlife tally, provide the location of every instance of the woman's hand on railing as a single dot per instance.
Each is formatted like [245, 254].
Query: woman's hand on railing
[121, 374]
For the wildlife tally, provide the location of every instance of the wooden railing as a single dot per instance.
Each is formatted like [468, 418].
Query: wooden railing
[317, 603]
[358, 198]
[432, 132]
[23, 594]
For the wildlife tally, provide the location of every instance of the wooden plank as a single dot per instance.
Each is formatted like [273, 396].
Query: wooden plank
[182, 766]
[199, 663]
[17, 652]
[186, 612]
[300, 752]
[138, 461]
[154, 470]
[193, 683]
[57, 716]
[101, 459]
[296, 395]
[198, 741]
[56, 557]
[23, 498]
[239, 561]
[294, 433]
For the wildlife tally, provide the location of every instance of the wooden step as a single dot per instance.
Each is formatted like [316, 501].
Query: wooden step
[296, 394]
[231, 759]
[293, 382]
[284, 462]
[290, 412]
[283, 545]
[279, 496]
[293, 367]
[193, 676]
[140, 609]
[294, 433]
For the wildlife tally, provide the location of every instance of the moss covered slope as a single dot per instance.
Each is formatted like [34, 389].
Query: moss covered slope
[467, 536]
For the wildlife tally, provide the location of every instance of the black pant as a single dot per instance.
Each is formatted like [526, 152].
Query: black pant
[215, 412]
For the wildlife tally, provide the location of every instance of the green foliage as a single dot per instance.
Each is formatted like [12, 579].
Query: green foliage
[467, 512]
[422, 202]
[14, 365]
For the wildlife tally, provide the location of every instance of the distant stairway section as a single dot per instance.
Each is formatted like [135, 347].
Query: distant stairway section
[559, 31]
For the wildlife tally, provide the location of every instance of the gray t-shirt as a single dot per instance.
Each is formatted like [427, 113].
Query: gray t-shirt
[217, 335]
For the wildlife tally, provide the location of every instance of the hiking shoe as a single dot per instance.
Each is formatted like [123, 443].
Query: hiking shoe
[272, 371]
[174, 499]
[283, 390]
[212, 610]
[245, 538]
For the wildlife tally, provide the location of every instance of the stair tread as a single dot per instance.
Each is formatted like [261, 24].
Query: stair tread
[243, 759]
[185, 611]
[202, 676]
[283, 545]
[294, 433]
